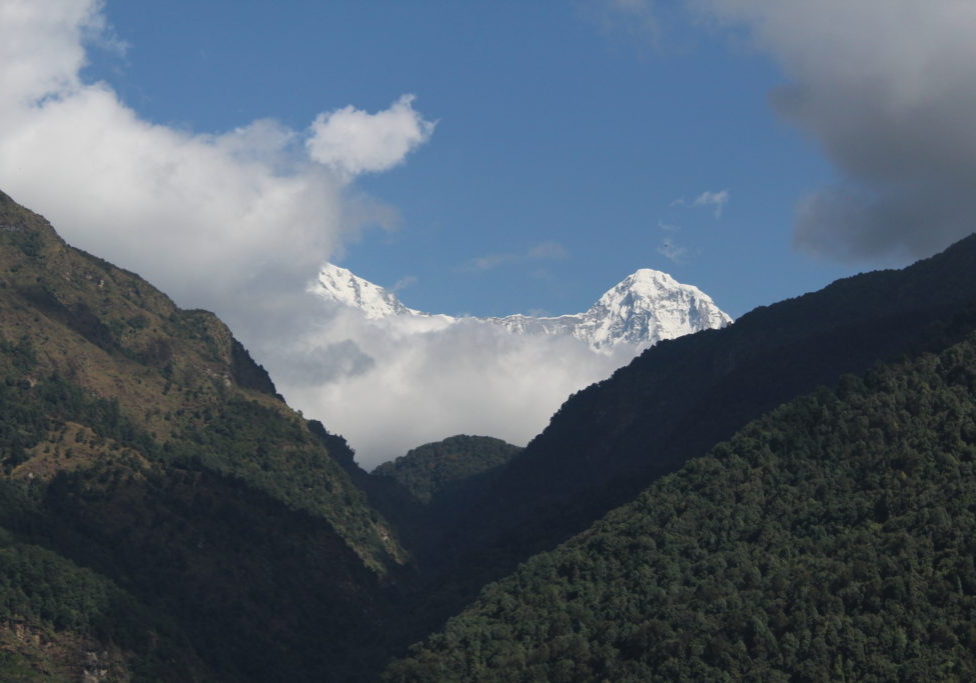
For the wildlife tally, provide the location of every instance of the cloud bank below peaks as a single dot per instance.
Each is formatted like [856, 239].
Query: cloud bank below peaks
[394, 383]
[887, 88]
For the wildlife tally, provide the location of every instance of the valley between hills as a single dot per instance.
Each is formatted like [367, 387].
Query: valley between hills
[788, 497]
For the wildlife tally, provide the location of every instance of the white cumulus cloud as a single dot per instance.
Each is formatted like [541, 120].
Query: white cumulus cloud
[353, 141]
[216, 220]
[240, 221]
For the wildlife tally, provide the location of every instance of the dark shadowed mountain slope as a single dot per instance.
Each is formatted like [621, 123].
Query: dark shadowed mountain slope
[832, 539]
[679, 398]
[160, 506]
[446, 468]
[434, 484]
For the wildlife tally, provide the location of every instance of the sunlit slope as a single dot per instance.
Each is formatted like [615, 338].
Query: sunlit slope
[153, 484]
[178, 374]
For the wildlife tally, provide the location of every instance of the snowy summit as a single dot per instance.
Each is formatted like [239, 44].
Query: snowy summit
[342, 286]
[642, 309]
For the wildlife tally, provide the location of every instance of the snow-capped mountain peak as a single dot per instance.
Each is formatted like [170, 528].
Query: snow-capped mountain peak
[342, 286]
[644, 308]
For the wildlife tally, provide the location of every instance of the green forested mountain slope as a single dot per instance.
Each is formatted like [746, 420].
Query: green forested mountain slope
[444, 468]
[159, 503]
[60, 621]
[424, 492]
[165, 516]
[179, 375]
[832, 539]
[681, 397]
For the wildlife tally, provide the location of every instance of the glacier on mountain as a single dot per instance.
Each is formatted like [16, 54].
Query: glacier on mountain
[644, 308]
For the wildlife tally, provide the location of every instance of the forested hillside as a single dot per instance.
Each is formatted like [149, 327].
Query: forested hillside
[165, 516]
[681, 397]
[832, 539]
[424, 492]
[160, 503]
[449, 468]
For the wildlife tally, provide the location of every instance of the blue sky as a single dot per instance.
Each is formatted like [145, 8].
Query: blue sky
[557, 123]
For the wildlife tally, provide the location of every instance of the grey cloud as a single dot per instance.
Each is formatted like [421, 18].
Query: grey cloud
[887, 88]
[334, 362]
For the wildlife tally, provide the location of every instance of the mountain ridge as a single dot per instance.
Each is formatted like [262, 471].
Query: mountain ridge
[832, 538]
[160, 503]
[158, 500]
[432, 470]
[120, 338]
[680, 397]
[642, 309]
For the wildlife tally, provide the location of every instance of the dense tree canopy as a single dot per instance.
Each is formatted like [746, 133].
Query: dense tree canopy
[442, 467]
[832, 539]
[679, 398]
[165, 516]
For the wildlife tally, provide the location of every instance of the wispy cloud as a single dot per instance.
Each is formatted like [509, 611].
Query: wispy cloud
[637, 19]
[716, 200]
[548, 251]
[403, 283]
[544, 251]
[673, 251]
[668, 227]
